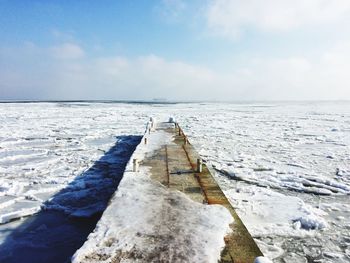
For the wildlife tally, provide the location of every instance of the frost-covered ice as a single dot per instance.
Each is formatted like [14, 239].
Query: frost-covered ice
[289, 161]
[147, 222]
[43, 147]
[263, 209]
[285, 166]
[262, 260]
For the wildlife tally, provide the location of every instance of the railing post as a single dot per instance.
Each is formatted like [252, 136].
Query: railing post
[199, 165]
[135, 165]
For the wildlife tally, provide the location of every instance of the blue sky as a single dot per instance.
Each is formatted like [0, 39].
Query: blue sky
[175, 49]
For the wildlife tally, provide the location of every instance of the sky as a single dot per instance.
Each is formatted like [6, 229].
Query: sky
[222, 50]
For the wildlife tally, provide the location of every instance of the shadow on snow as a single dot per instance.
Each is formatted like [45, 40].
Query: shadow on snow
[62, 226]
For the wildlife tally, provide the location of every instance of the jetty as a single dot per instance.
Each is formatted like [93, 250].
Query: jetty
[165, 163]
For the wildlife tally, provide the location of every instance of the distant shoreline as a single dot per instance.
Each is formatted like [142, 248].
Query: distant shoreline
[92, 101]
[165, 102]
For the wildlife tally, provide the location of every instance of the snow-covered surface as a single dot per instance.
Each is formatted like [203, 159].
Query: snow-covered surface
[285, 166]
[263, 209]
[262, 260]
[43, 147]
[289, 161]
[147, 222]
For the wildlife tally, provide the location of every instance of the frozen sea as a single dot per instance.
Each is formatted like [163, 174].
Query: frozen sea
[285, 166]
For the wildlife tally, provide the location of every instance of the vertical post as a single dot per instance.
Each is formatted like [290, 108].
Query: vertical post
[167, 165]
[199, 165]
[153, 120]
[185, 140]
[135, 165]
[145, 140]
[171, 120]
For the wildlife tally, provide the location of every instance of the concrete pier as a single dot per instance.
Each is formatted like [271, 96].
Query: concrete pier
[168, 208]
[176, 166]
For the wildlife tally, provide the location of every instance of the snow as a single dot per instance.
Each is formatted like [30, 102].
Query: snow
[267, 212]
[147, 222]
[45, 146]
[262, 260]
[274, 161]
[155, 140]
[287, 180]
[310, 221]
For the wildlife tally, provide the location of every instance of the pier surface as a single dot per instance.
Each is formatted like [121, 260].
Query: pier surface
[166, 210]
[175, 166]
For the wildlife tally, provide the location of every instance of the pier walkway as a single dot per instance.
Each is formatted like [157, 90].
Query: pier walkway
[168, 208]
[175, 166]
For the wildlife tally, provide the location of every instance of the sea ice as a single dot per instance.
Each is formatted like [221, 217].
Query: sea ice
[262, 260]
[283, 147]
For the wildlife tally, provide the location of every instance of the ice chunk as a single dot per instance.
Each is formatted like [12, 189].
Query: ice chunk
[20, 209]
[262, 260]
[310, 222]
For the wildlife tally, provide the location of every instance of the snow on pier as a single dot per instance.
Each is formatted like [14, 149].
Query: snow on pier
[168, 208]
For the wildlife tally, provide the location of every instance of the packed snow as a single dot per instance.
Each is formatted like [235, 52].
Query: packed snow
[284, 166]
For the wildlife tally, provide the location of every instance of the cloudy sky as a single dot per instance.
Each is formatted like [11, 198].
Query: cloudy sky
[175, 49]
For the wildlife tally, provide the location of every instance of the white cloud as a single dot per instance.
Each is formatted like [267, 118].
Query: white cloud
[230, 17]
[147, 77]
[67, 51]
[298, 78]
[112, 66]
[151, 76]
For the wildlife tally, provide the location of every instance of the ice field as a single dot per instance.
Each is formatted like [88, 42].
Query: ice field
[284, 166]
